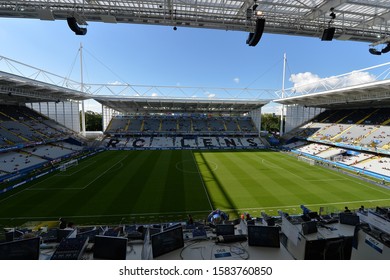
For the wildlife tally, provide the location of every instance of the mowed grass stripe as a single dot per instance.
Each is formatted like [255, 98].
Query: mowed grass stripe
[210, 166]
[157, 185]
[268, 181]
[272, 178]
[335, 183]
[147, 183]
[117, 183]
[249, 182]
[324, 183]
[293, 174]
[57, 195]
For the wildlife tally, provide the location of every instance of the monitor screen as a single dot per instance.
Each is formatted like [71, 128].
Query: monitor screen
[313, 215]
[90, 234]
[199, 233]
[349, 219]
[50, 235]
[153, 231]
[171, 226]
[130, 229]
[309, 227]
[224, 230]
[270, 221]
[9, 236]
[24, 249]
[264, 236]
[111, 232]
[167, 241]
[110, 248]
[63, 233]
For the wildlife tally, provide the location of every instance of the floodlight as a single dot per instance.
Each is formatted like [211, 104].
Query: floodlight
[254, 38]
[328, 34]
[259, 13]
[386, 49]
[72, 23]
[374, 51]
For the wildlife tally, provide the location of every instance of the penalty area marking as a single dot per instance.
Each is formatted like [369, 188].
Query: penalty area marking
[267, 163]
[81, 188]
[75, 172]
[120, 161]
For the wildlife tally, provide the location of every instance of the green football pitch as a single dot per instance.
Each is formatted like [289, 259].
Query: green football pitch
[115, 187]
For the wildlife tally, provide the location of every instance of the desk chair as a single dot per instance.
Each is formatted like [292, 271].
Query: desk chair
[334, 250]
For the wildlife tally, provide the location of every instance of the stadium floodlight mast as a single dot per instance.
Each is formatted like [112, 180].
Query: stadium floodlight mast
[83, 125]
[283, 80]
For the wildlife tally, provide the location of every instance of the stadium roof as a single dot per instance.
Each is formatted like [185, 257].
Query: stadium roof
[128, 105]
[37, 85]
[18, 89]
[373, 94]
[358, 20]
[357, 88]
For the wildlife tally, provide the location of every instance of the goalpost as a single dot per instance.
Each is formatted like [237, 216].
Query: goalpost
[66, 165]
[307, 160]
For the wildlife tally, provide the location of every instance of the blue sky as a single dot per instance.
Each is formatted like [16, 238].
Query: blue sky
[158, 55]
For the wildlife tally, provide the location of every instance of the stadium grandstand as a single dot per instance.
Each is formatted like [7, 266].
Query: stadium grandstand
[31, 142]
[185, 178]
[149, 143]
[189, 130]
[352, 128]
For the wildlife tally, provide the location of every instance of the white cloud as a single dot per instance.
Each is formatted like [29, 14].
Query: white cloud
[209, 94]
[304, 82]
[236, 80]
[355, 78]
[116, 83]
[154, 94]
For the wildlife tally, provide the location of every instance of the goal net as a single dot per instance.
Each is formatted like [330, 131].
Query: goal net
[307, 160]
[66, 165]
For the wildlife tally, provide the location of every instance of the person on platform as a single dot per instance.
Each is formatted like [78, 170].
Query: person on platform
[70, 225]
[346, 210]
[190, 220]
[62, 224]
